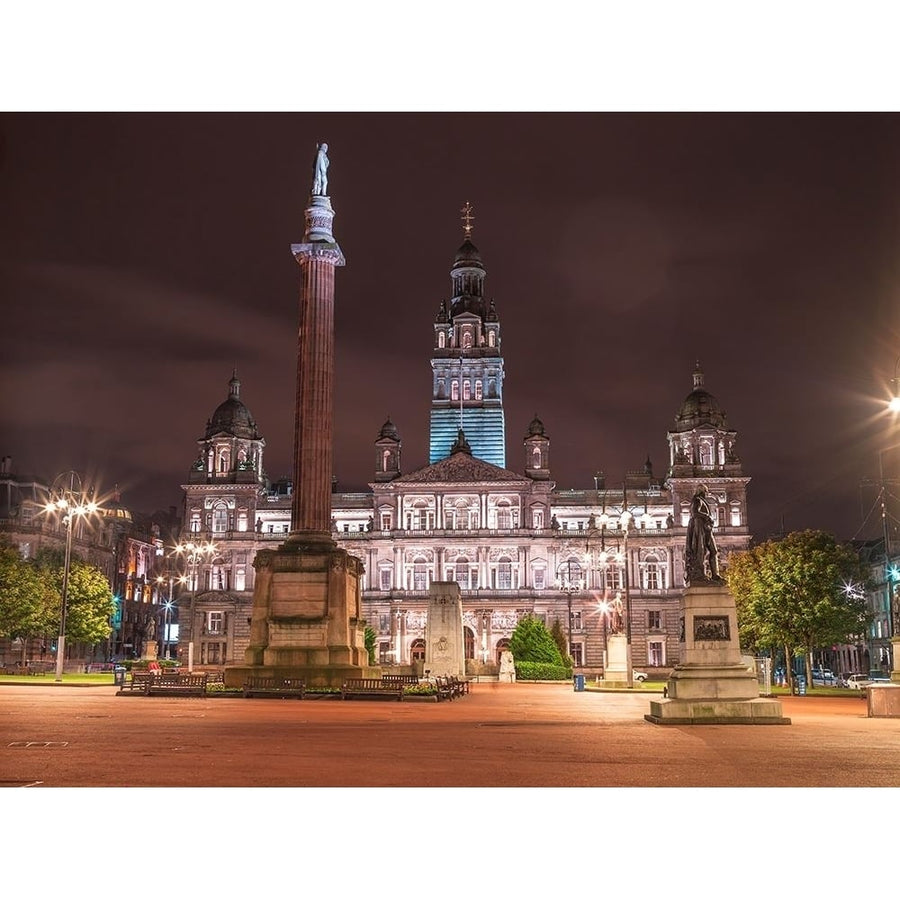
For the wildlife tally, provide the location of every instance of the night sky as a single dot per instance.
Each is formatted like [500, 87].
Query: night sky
[143, 257]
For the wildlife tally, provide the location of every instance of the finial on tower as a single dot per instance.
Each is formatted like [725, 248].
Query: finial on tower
[468, 218]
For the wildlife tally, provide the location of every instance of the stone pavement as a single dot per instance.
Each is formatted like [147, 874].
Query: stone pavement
[520, 735]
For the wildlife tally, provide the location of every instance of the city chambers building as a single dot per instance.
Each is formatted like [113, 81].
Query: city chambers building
[516, 545]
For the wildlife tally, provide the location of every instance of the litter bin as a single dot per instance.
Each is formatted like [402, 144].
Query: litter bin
[119, 676]
[579, 682]
[801, 685]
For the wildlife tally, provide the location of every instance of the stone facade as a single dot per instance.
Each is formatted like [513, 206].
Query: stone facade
[514, 543]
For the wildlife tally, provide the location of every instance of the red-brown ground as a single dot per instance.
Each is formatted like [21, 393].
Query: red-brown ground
[522, 735]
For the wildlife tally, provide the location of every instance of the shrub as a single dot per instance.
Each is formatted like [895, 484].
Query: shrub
[426, 689]
[531, 642]
[540, 671]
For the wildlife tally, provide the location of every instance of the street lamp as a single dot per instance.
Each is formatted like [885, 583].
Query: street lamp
[68, 497]
[570, 580]
[194, 554]
[167, 607]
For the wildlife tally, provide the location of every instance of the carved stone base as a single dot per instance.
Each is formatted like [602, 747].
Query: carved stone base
[615, 672]
[712, 686]
[306, 620]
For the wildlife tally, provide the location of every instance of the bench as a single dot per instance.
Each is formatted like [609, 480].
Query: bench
[138, 683]
[182, 683]
[400, 679]
[459, 685]
[262, 686]
[444, 687]
[371, 687]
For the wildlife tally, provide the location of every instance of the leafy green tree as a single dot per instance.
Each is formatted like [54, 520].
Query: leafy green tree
[370, 637]
[531, 642]
[799, 594]
[561, 640]
[90, 604]
[26, 600]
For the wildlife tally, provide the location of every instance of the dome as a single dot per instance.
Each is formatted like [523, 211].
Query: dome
[389, 430]
[232, 417]
[699, 408]
[467, 256]
[536, 428]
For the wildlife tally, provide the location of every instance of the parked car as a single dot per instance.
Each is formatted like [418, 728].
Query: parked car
[822, 676]
[858, 681]
[638, 676]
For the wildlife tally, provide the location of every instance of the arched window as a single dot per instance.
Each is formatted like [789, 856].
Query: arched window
[492, 338]
[467, 339]
[651, 574]
[417, 649]
[442, 339]
[224, 458]
[536, 457]
[504, 515]
[735, 514]
[386, 460]
[706, 454]
[454, 390]
[478, 389]
[467, 390]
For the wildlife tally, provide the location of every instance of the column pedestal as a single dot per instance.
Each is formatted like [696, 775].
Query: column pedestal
[615, 672]
[307, 617]
[712, 686]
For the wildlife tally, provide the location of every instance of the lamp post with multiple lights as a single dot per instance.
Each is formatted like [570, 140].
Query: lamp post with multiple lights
[892, 585]
[194, 553]
[68, 498]
[167, 607]
[570, 580]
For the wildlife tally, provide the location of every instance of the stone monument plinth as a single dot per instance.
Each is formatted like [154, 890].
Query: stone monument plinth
[615, 670]
[507, 668]
[445, 649]
[712, 686]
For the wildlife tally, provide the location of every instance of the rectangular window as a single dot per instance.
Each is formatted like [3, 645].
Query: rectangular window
[214, 623]
[654, 618]
[655, 655]
[240, 579]
[385, 575]
[539, 579]
[385, 521]
[652, 578]
[537, 518]
[577, 621]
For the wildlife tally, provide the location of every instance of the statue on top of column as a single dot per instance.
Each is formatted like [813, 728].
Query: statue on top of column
[320, 176]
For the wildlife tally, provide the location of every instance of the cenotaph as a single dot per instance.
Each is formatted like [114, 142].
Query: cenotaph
[307, 601]
[711, 686]
[445, 649]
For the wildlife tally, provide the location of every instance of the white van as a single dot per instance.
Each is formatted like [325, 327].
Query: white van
[858, 681]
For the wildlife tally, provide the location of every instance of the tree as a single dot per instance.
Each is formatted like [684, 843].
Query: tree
[90, 604]
[26, 600]
[531, 642]
[370, 637]
[560, 639]
[799, 594]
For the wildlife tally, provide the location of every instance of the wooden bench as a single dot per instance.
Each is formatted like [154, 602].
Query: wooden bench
[400, 679]
[138, 683]
[444, 687]
[371, 687]
[262, 686]
[181, 683]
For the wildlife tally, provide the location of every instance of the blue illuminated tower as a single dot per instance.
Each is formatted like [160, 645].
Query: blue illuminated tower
[467, 368]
